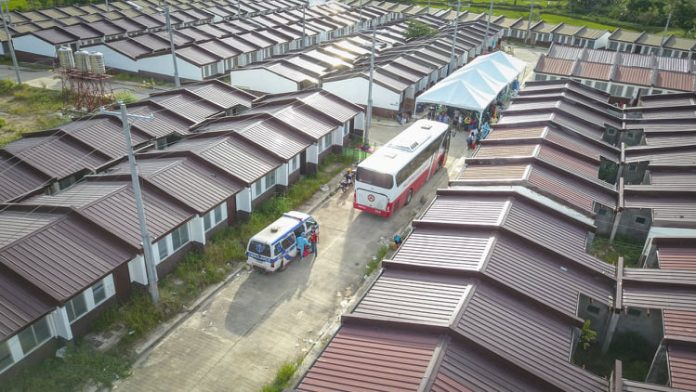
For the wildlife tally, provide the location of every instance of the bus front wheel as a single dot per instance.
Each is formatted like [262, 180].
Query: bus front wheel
[409, 197]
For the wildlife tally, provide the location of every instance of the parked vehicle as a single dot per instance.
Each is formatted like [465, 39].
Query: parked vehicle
[274, 246]
[387, 179]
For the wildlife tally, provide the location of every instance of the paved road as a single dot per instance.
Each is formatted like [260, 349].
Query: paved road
[237, 341]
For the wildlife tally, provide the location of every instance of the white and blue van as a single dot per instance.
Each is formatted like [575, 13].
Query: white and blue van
[274, 246]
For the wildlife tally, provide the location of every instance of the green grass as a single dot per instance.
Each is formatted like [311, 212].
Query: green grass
[125, 97]
[629, 249]
[28, 109]
[634, 351]
[376, 262]
[69, 374]
[282, 378]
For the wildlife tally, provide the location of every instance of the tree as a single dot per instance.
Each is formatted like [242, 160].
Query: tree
[418, 29]
[587, 335]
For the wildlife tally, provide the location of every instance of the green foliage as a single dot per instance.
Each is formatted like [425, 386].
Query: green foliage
[81, 363]
[125, 97]
[282, 378]
[418, 29]
[3, 122]
[374, 264]
[634, 351]
[626, 247]
[587, 335]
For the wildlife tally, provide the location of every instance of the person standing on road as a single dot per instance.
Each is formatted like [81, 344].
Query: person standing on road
[313, 238]
[301, 244]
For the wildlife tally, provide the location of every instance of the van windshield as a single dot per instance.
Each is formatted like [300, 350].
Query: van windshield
[260, 248]
[381, 180]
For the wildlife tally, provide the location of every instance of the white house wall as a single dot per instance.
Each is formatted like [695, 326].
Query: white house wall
[262, 80]
[603, 41]
[30, 44]
[114, 59]
[163, 65]
[355, 90]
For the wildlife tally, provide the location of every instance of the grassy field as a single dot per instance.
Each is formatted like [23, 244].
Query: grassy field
[27, 109]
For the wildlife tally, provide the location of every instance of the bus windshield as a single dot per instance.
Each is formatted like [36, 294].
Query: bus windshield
[374, 178]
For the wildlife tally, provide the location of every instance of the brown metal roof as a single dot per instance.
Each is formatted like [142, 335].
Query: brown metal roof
[242, 160]
[472, 210]
[463, 250]
[677, 257]
[19, 305]
[492, 173]
[633, 75]
[554, 66]
[675, 81]
[563, 186]
[266, 132]
[164, 123]
[668, 208]
[186, 104]
[593, 70]
[55, 156]
[681, 359]
[371, 359]
[195, 184]
[321, 100]
[647, 296]
[104, 135]
[64, 258]
[679, 325]
[409, 297]
[310, 121]
[17, 178]
[526, 336]
[111, 205]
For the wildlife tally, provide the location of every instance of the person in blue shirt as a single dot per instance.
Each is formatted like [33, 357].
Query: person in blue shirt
[301, 244]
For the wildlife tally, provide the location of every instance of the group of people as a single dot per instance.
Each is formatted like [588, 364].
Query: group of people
[307, 244]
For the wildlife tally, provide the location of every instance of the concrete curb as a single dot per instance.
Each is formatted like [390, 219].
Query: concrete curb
[162, 331]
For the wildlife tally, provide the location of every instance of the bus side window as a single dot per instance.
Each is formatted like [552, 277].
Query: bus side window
[299, 230]
[278, 249]
[288, 242]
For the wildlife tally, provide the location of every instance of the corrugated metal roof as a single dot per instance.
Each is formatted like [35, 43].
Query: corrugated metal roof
[679, 325]
[17, 178]
[677, 258]
[403, 296]
[240, 159]
[574, 192]
[55, 156]
[19, 306]
[543, 276]
[575, 165]
[164, 123]
[675, 81]
[506, 150]
[103, 134]
[371, 359]
[188, 105]
[651, 297]
[463, 250]
[681, 359]
[565, 52]
[554, 66]
[222, 94]
[674, 64]
[662, 158]
[491, 173]
[633, 75]
[625, 35]
[65, 258]
[465, 368]
[527, 337]
[667, 208]
[471, 210]
[193, 183]
[593, 70]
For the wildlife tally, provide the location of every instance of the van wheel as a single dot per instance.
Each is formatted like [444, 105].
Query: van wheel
[409, 197]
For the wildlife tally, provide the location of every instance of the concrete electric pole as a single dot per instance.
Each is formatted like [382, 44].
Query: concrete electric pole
[529, 24]
[177, 82]
[144, 235]
[5, 21]
[368, 121]
[453, 63]
[488, 24]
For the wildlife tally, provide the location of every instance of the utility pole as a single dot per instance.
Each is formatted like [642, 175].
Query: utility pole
[366, 139]
[453, 63]
[304, 30]
[107, 5]
[177, 82]
[360, 15]
[239, 9]
[529, 24]
[669, 19]
[4, 3]
[488, 24]
[145, 236]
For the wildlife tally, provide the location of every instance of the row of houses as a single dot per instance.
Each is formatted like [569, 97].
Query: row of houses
[84, 24]
[543, 33]
[403, 68]
[66, 254]
[208, 51]
[620, 74]
[491, 288]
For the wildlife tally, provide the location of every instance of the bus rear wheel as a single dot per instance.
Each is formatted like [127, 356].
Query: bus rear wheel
[409, 197]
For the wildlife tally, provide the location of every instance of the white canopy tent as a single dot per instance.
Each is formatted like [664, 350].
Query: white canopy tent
[476, 85]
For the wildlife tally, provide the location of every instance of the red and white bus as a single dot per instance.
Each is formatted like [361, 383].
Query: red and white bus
[387, 179]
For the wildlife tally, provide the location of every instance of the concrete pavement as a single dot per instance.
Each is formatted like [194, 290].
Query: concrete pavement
[237, 340]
